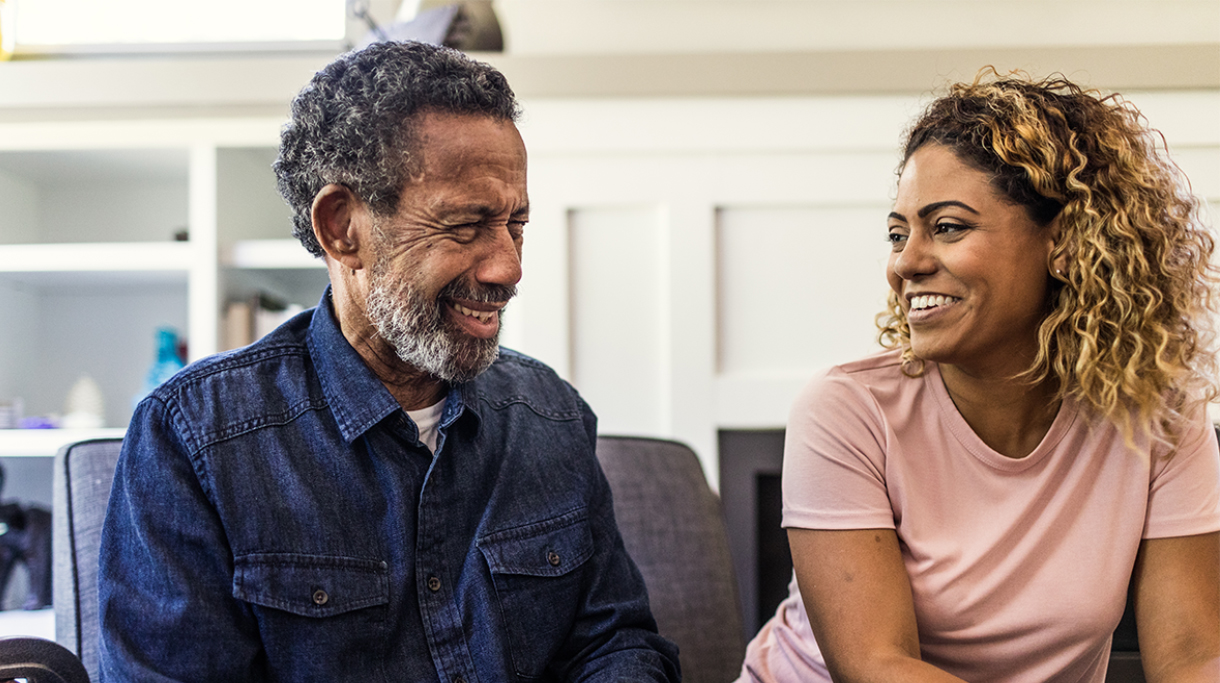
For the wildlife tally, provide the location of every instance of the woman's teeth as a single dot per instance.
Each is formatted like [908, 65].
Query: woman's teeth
[930, 301]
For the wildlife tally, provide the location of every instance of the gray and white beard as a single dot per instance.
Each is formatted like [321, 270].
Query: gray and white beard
[419, 331]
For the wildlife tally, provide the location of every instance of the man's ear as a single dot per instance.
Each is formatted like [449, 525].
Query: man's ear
[338, 216]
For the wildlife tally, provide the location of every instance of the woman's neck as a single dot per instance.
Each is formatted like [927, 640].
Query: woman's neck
[1010, 415]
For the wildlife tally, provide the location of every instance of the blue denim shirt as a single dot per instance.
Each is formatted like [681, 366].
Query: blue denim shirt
[275, 517]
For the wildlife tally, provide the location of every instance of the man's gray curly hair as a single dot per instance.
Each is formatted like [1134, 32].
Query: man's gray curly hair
[353, 123]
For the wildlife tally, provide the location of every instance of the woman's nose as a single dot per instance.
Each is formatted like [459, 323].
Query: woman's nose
[915, 260]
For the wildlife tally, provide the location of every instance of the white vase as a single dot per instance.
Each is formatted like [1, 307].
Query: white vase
[84, 407]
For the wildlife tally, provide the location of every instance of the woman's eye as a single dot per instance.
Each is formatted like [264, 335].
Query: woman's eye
[949, 228]
[895, 238]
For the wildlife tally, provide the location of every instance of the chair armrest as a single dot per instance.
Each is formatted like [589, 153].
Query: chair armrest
[39, 661]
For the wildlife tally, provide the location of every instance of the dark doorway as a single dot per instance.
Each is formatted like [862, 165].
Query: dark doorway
[751, 462]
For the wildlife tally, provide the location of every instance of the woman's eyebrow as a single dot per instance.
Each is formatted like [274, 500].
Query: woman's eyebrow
[940, 205]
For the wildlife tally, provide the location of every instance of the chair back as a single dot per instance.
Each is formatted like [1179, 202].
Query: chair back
[673, 527]
[81, 483]
[38, 660]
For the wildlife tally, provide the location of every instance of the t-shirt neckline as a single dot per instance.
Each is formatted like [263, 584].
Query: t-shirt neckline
[965, 435]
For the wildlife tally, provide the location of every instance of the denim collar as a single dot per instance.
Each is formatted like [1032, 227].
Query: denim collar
[357, 398]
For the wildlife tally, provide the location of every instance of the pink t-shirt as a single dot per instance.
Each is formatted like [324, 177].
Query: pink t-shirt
[1019, 567]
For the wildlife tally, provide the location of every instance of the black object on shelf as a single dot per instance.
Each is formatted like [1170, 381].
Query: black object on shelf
[25, 536]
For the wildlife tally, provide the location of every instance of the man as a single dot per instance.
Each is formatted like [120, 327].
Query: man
[375, 492]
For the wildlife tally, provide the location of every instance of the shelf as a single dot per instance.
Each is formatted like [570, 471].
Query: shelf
[47, 442]
[95, 257]
[272, 255]
[39, 623]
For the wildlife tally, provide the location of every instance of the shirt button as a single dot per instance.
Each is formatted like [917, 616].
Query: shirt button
[459, 679]
[553, 558]
[434, 584]
[320, 597]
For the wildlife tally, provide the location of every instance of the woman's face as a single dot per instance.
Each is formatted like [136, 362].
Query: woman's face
[969, 267]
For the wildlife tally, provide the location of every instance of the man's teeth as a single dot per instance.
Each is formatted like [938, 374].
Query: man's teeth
[483, 316]
[930, 301]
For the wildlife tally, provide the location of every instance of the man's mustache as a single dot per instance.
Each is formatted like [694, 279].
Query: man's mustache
[480, 293]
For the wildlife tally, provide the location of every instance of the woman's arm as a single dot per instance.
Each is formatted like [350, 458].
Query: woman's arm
[858, 597]
[1177, 608]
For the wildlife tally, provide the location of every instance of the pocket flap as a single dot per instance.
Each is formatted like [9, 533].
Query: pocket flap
[551, 547]
[310, 585]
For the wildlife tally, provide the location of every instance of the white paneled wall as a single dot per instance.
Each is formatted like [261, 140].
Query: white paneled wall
[794, 284]
[619, 326]
[690, 263]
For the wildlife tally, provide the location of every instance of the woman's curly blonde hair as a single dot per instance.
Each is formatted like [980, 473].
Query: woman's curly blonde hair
[1129, 324]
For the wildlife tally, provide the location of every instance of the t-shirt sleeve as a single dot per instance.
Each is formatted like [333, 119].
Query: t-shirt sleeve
[834, 458]
[1184, 495]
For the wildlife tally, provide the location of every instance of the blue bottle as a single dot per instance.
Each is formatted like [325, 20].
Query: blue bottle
[168, 361]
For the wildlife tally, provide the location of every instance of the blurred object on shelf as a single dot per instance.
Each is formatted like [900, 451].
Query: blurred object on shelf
[11, 410]
[239, 325]
[468, 25]
[40, 422]
[248, 321]
[84, 407]
[25, 537]
[7, 34]
[167, 363]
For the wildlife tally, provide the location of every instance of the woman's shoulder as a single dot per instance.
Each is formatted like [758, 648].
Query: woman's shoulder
[881, 366]
[875, 381]
[880, 371]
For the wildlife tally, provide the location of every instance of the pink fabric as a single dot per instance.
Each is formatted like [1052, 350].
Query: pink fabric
[1019, 567]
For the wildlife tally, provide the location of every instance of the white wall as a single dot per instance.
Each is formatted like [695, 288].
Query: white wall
[689, 264]
[667, 26]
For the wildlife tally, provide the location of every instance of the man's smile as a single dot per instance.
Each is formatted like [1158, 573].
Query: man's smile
[478, 319]
[483, 316]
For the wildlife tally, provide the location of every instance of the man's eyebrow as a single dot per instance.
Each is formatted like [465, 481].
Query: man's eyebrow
[940, 205]
[481, 210]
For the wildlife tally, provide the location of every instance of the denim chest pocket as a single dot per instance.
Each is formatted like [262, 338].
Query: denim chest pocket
[539, 590]
[313, 585]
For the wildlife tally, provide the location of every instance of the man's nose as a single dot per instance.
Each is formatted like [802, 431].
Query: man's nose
[501, 262]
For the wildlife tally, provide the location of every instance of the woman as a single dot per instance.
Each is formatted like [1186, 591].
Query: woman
[971, 504]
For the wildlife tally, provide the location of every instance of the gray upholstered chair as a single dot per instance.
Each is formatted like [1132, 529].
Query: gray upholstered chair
[83, 472]
[38, 660]
[672, 525]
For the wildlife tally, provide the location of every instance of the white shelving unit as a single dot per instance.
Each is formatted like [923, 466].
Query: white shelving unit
[109, 230]
[20, 443]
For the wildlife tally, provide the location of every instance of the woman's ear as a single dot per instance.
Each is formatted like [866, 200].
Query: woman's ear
[337, 218]
[1059, 264]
